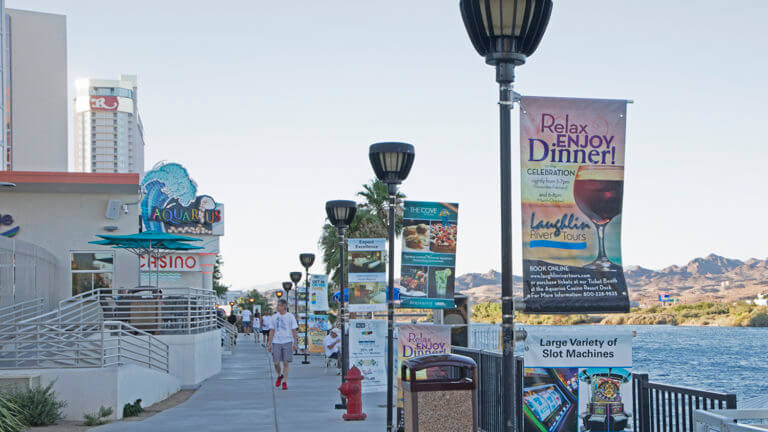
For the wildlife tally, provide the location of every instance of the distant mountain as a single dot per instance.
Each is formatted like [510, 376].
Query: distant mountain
[711, 278]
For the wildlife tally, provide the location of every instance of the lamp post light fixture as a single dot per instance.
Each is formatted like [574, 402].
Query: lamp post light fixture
[392, 162]
[306, 259]
[340, 214]
[287, 288]
[506, 33]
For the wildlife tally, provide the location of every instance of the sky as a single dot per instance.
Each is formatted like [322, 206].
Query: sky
[272, 107]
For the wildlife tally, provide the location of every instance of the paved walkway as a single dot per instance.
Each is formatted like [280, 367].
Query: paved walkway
[243, 398]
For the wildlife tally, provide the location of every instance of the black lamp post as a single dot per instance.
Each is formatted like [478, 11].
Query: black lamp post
[392, 162]
[287, 287]
[340, 214]
[306, 259]
[296, 277]
[506, 32]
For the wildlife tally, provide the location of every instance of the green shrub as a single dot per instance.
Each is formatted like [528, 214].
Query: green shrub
[98, 418]
[758, 319]
[11, 415]
[40, 406]
[132, 410]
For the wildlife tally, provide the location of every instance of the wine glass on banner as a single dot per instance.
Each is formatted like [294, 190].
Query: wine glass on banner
[598, 192]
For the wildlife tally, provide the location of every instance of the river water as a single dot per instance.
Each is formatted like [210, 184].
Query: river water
[722, 359]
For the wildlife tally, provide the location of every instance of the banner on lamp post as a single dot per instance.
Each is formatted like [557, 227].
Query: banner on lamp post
[367, 277]
[572, 183]
[318, 293]
[417, 340]
[428, 264]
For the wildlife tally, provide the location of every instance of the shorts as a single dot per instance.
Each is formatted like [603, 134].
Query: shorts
[282, 352]
[265, 332]
[246, 324]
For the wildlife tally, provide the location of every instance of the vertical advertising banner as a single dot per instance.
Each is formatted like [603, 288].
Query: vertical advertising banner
[416, 340]
[428, 265]
[367, 277]
[572, 168]
[577, 379]
[318, 293]
[318, 327]
[368, 352]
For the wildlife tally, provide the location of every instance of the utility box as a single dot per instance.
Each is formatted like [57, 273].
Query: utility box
[440, 393]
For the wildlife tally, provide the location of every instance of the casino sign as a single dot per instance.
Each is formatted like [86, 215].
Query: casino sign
[170, 203]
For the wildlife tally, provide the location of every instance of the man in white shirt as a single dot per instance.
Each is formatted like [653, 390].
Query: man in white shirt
[282, 338]
[265, 320]
[332, 345]
[246, 318]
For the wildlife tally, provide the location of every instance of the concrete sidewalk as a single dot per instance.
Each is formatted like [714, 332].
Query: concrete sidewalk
[243, 397]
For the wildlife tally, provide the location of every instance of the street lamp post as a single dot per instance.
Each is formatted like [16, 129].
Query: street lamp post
[306, 259]
[506, 37]
[287, 287]
[340, 214]
[392, 162]
[295, 278]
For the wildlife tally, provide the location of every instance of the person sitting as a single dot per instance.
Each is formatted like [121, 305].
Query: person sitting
[332, 346]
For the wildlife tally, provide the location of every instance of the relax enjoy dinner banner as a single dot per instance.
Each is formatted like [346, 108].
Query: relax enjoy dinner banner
[572, 169]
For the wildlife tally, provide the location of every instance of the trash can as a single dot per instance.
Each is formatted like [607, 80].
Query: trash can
[440, 393]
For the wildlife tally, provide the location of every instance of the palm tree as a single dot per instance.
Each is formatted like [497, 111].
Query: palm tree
[369, 222]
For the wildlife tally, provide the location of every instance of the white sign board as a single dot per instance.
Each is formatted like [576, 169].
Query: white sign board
[367, 352]
[318, 293]
[578, 379]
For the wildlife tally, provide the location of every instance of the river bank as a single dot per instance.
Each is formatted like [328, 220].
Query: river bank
[739, 314]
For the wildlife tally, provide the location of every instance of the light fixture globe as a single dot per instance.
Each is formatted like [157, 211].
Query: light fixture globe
[287, 286]
[307, 259]
[295, 277]
[391, 161]
[340, 212]
[512, 30]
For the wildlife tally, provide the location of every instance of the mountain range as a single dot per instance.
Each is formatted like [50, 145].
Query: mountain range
[711, 278]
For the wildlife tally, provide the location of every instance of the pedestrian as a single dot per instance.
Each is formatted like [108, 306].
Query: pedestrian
[332, 346]
[257, 327]
[265, 320]
[232, 318]
[246, 316]
[282, 338]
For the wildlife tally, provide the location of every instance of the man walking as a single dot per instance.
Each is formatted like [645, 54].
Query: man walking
[246, 317]
[282, 337]
[265, 320]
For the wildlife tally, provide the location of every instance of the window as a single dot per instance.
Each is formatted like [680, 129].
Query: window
[91, 270]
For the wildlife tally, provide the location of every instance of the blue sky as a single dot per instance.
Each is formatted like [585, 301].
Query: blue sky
[272, 106]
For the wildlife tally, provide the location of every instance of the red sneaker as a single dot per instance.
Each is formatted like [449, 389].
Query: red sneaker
[285, 385]
[279, 380]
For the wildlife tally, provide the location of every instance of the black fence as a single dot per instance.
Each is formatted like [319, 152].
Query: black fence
[666, 408]
[658, 407]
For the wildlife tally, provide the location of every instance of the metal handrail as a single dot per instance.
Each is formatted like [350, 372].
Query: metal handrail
[96, 344]
[727, 420]
[22, 310]
[230, 332]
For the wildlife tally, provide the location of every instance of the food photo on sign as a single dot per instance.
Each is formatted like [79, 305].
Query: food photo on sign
[427, 271]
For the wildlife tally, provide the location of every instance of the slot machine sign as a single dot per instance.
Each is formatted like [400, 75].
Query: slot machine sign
[577, 380]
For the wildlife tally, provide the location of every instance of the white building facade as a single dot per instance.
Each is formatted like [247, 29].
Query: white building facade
[108, 133]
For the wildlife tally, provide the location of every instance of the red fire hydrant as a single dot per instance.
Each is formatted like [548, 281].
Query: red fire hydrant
[352, 390]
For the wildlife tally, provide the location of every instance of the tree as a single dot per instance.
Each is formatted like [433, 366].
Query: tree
[219, 287]
[370, 222]
[258, 299]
